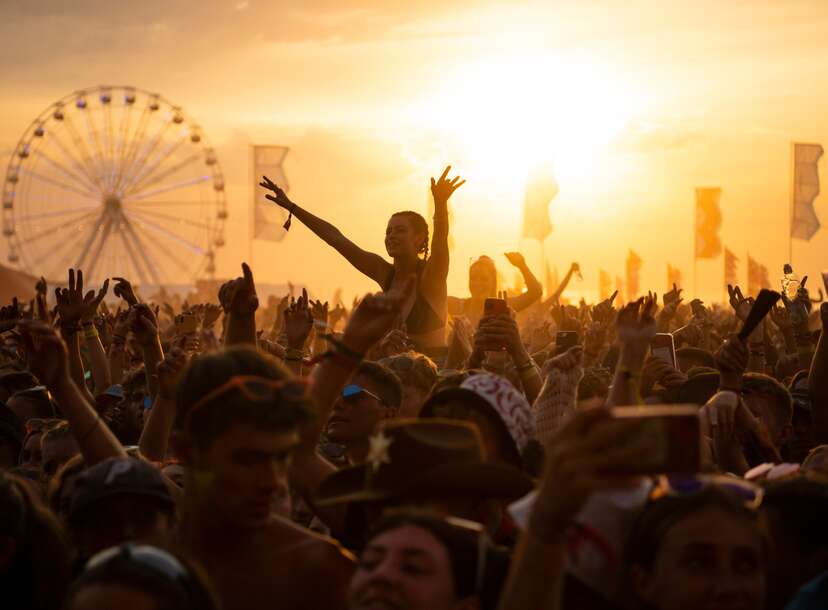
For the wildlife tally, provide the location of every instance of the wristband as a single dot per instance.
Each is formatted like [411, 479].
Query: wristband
[320, 324]
[342, 349]
[90, 332]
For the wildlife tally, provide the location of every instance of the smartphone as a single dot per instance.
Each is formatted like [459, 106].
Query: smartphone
[493, 307]
[186, 324]
[564, 340]
[676, 433]
[663, 348]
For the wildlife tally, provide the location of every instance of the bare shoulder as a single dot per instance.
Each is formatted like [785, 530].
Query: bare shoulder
[304, 545]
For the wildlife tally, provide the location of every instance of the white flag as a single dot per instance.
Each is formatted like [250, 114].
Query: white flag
[268, 217]
[804, 221]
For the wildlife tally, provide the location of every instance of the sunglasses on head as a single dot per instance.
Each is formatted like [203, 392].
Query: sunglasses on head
[153, 559]
[353, 391]
[673, 485]
[255, 389]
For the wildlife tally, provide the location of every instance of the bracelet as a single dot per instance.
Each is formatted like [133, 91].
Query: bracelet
[320, 324]
[294, 353]
[90, 333]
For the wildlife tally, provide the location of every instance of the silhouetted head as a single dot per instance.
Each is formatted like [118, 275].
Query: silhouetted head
[406, 235]
[483, 278]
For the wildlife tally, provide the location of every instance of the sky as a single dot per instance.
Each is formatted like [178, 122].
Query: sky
[631, 105]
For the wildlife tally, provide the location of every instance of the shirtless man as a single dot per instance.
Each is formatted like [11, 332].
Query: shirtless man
[237, 423]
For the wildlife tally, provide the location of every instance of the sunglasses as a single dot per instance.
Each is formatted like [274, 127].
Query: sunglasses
[673, 485]
[154, 559]
[37, 424]
[353, 391]
[256, 389]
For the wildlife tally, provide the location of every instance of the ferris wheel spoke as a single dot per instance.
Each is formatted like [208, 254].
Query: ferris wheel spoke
[29, 217]
[161, 247]
[86, 157]
[123, 133]
[134, 204]
[96, 256]
[129, 249]
[65, 170]
[175, 219]
[56, 228]
[138, 169]
[151, 180]
[168, 188]
[167, 233]
[132, 147]
[78, 163]
[58, 183]
[91, 240]
[143, 252]
[97, 148]
[61, 247]
[109, 141]
[139, 181]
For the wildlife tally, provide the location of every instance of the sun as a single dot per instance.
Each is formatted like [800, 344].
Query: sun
[509, 114]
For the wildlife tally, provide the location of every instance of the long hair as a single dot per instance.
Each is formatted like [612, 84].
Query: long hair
[38, 575]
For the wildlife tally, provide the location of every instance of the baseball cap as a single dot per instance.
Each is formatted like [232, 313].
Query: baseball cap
[118, 477]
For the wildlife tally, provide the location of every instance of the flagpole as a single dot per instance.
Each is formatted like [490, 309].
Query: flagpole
[792, 172]
[251, 231]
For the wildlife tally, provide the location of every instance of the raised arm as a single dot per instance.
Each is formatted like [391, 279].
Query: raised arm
[556, 296]
[240, 302]
[534, 290]
[372, 318]
[636, 328]
[48, 361]
[437, 266]
[366, 262]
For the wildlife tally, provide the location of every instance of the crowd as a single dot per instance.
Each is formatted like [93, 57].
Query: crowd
[418, 451]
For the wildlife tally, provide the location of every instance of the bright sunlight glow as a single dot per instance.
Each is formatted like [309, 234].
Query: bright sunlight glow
[512, 113]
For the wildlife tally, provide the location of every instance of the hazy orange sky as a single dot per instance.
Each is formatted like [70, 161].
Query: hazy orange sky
[633, 103]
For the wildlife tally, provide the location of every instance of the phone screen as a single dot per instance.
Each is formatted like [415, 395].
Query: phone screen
[663, 348]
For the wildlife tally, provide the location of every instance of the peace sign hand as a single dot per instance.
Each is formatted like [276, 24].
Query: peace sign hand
[443, 188]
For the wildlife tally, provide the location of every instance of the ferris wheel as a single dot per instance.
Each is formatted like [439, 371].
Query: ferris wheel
[115, 181]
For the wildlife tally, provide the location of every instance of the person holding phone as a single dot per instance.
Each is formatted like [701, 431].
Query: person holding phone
[483, 286]
[406, 238]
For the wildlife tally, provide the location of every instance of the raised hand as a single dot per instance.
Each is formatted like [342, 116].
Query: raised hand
[635, 328]
[443, 188]
[143, 324]
[46, 353]
[732, 361]
[604, 312]
[298, 321]
[375, 315]
[211, 313]
[336, 314]
[169, 372]
[740, 304]
[42, 287]
[279, 197]
[319, 311]
[566, 361]
[516, 259]
[72, 305]
[239, 296]
[123, 289]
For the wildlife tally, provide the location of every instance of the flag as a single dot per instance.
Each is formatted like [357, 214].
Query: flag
[757, 277]
[673, 277]
[804, 221]
[619, 286]
[268, 217]
[541, 189]
[708, 222]
[604, 285]
[730, 271]
[633, 269]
